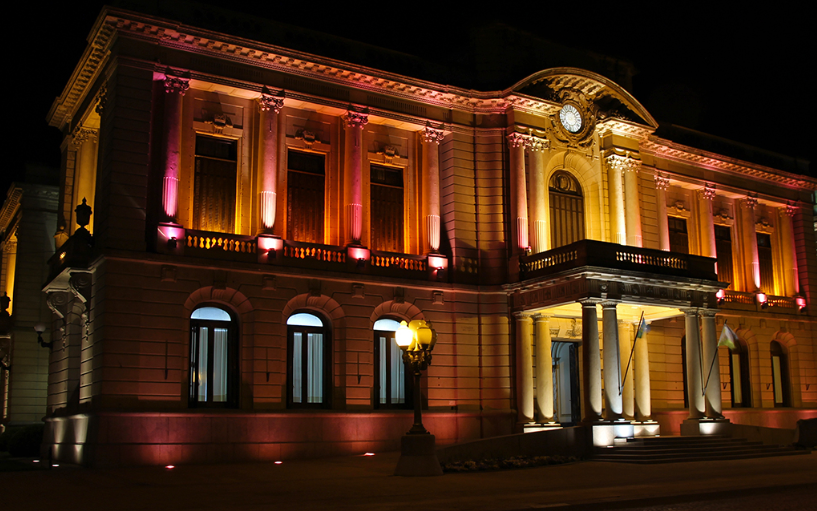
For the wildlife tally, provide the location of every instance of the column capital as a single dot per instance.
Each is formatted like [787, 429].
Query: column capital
[707, 192]
[622, 163]
[689, 311]
[609, 304]
[516, 140]
[536, 144]
[355, 119]
[708, 313]
[521, 316]
[176, 84]
[790, 210]
[661, 182]
[750, 202]
[82, 134]
[430, 135]
[539, 318]
[271, 101]
[589, 302]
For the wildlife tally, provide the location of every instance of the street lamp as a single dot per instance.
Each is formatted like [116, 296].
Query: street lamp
[418, 456]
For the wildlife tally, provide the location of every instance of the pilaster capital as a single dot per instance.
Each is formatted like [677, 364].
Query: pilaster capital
[516, 140]
[661, 182]
[536, 144]
[750, 202]
[707, 192]
[269, 101]
[176, 84]
[432, 135]
[82, 135]
[621, 163]
[355, 119]
[790, 210]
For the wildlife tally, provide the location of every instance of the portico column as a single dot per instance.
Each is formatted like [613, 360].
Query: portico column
[612, 365]
[541, 232]
[643, 406]
[175, 88]
[591, 361]
[431, 184]
[353, 174]
[633, 203]
[524, 363]
[750, 256]
[706, 221]
[544, 369]
[661, 186]
[625, 338]
[615, 165]
[791, 278]
[693, 359]
[519, 192]
[712, 373]
[270, 108]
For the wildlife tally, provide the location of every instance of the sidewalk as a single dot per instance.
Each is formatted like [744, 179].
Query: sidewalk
[365, 482]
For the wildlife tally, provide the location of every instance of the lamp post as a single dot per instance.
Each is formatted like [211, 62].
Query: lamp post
[417, 454]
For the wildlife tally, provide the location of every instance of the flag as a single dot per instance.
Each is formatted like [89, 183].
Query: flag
[643, 328]
[728, 338]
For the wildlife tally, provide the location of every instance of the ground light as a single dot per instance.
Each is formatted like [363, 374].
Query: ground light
[278, 462]
[369, 454]
[169, 467]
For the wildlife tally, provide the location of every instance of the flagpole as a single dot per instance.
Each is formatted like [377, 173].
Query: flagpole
[701, 358]
[632, 350]
[714, 358]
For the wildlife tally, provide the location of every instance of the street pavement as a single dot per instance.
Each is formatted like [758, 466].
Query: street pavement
[366, 482]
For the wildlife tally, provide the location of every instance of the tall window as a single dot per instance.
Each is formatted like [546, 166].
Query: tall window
[678, 237]
[392, 387]
[306, 177]
[214, 187]
[739, 374]
[780, 375]
[387, 208]
[764, 255]
[213, 358]
[723, 246]
[566, 210]
[308, 362]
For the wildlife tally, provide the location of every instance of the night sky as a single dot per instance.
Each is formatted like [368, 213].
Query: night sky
[740, 75]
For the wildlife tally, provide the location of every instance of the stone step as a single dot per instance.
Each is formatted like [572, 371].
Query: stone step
[732, 456]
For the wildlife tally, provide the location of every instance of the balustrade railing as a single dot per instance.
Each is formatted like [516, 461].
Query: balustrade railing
[220, 241]
[314, 252]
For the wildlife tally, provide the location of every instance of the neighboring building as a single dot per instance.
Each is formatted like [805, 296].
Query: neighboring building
[27, 222]
[262, 217]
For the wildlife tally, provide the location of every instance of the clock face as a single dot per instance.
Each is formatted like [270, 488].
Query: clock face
[571, 118]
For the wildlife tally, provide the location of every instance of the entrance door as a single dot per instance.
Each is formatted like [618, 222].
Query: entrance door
[566, 394]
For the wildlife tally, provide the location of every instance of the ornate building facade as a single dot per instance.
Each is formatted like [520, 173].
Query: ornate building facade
[263, 217]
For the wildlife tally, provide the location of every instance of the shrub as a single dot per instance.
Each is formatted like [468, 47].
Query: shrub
[26, 441]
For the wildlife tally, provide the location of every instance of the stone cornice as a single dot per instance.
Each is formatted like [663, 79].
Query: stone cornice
[669, 150]
[10, 207]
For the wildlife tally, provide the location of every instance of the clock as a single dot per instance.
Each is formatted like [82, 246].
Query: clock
[571, 118]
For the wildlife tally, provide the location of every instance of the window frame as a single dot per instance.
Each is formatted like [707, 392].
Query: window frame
[233, 368]
[325, 331]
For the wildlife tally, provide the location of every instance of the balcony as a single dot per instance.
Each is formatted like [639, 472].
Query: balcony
[273, 251]
[620, 258]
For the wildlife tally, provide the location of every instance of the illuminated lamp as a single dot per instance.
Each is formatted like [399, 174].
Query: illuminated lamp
[801, 303]
[369, 454]
[62, 256]
[170, 467]
[170, 235]
[403, 336]
[40, 328]
[720, 295]
[278, 462]
[762, 300]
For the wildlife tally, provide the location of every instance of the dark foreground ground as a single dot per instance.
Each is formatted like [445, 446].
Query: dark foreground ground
[366, 482]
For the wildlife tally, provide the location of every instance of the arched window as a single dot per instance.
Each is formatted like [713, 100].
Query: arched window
[566, 210]
[213, 358]
[308, 362]
[739, 374]
[780, 375]
[392, 387]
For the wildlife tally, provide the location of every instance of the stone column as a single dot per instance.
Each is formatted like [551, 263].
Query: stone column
[268, 159]
[643, 405]
[633, 206]
[788, 249]
[519, 192]
[524, 363]
[353, 174]
[706, 221]
[661, 186]
[693, 356]
[431, 139]
[615, 166]
[612, 364]
[175, 88]
[712, 373]
[751, 260]
[539, 195]
[591, 361]
[544, 369]
[85, 140]
[625, 343]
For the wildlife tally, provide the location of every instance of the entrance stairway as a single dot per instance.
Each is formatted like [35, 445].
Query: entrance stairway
[689, 448]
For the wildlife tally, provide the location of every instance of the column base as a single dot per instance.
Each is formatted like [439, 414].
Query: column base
[706, 427]
[646, 428]
[606, 433]
[418, 457]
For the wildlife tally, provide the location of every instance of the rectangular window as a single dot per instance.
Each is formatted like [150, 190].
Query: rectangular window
[764, 255]
[723, 246]
[678, 237]
[215, 184]
[386, 208]
[306, 176]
